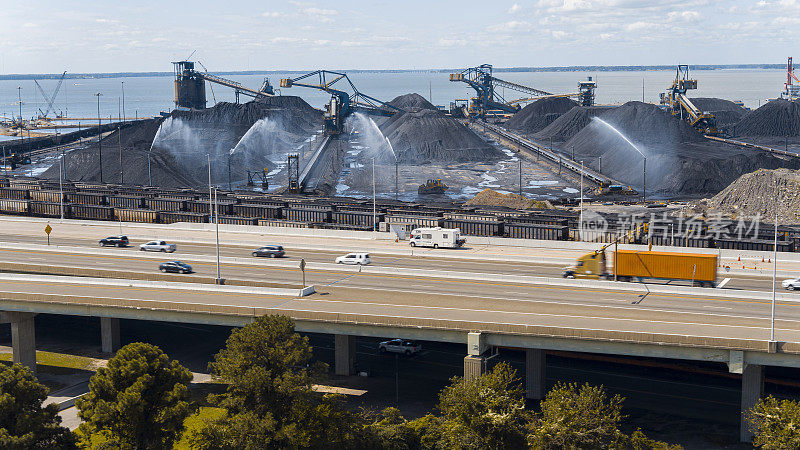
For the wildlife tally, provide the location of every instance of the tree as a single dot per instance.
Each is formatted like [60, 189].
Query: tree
[139, 401]
[487, 412]
[776, 423]
[584, 417]
[269, 400]
[24, 423]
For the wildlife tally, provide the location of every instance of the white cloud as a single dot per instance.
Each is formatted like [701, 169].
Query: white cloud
[515, 8]
[271, 14]
[514, 25]
[683, 16]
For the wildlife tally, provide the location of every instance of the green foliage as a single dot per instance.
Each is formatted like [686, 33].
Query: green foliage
[776, 423]
[139, 401]
[269, 399]
[24, 423]
[487, 412]
[584, 417]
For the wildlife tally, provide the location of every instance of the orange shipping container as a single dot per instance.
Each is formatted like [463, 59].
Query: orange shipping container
[667, 265]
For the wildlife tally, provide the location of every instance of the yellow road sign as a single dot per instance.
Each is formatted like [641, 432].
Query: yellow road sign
[48, 229]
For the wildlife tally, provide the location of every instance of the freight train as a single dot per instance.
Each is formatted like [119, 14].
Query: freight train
[41, 198]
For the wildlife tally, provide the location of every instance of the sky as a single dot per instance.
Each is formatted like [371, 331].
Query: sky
[47, 36]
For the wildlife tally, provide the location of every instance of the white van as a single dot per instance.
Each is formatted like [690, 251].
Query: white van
[361, 259]
[437, 237]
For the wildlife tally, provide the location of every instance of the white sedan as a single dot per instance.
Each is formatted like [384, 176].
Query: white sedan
[158, 246]
[791, 284]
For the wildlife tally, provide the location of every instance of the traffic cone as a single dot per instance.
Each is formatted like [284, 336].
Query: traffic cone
[740, 258]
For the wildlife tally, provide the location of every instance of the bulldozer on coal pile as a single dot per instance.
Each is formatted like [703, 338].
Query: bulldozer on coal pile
[615, 189]
[432, 187]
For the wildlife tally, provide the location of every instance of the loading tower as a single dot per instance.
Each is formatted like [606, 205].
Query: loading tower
[190, 88]
[678, 103]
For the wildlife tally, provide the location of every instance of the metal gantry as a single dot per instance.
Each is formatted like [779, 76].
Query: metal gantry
[489, 102]
[679, 104]
[342, 103]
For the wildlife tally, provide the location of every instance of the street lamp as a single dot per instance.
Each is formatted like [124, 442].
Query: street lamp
[374, 209]
[210, 207]
[644, 179]
[99, 136]
[216, 225]
[580, 219]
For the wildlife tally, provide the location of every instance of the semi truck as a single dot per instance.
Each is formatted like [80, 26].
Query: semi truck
[638, 265]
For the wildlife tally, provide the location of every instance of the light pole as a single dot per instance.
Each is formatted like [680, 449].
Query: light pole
[123, 102]
[61, 186]
[580, 218]
[216, 225]
[644, 179]
[121, 170]
[99, 136]
[210, 206]
[374, 209]
[774, 276]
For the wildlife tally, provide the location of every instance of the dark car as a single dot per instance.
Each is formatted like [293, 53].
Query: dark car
[272, 251]
[115, 241]
[175, 267]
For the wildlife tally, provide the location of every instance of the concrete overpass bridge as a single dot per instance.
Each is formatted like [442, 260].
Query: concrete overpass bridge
[463, 301]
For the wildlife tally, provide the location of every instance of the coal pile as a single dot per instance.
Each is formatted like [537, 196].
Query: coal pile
[253, 136]
[570, 123]
[423, 135]
[680, 161]
[726, 113]
[410, 102]
[539, 114]
[777, 118]
[82, 164]
[763, 192]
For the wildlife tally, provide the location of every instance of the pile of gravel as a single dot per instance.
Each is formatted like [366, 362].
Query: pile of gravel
[539, 114]
[763, 192]
[490, 197]
[423, 135]
[776, 118]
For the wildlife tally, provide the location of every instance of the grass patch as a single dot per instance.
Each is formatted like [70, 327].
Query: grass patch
[57, 363]
[195, 422]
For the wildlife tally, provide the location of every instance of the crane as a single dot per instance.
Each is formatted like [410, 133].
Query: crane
[342, 103]
[489, 102]
[791, 90]
[679, 104]
[51, 98]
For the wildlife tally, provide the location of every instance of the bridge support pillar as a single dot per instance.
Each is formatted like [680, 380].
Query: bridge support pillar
[344, 354]
[535, 373]
[23, 338]
[475, 362]
[752, 390]
[109, 334]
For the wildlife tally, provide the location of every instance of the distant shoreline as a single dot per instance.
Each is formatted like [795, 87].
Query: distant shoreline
[45, 76]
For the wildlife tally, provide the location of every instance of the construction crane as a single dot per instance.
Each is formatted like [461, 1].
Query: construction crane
[342, 103]
[679, 104]
[51, 98]
[190, 91]
[489, 102]
[791, 91]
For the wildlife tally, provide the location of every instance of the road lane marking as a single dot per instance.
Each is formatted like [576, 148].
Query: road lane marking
[724, 282]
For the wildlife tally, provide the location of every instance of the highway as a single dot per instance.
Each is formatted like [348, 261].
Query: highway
[424, 259]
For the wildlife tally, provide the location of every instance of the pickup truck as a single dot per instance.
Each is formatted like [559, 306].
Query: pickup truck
[399, 346]
[158, 246]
